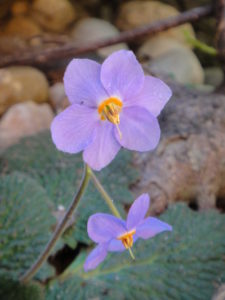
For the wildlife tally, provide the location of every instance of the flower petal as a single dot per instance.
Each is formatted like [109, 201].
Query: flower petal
[150, 227]
[103, 148]
[104, 227]
[82, 82]
[72, 129]
[153, 96]
[122, 75]
[137, 211]
[115, 246]
[140, 129]
[95, 257]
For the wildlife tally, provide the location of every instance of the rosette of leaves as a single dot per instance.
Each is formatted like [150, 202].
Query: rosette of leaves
[185, 264]
[59, 174]
[25, 227]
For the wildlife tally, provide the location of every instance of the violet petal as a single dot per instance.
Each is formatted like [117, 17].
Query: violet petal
[104, 227]
[82, 82]
[150, 227]
[140, 129]
[115, 245]
[95, 257]
[122, 75]
[153, 96]
[137, 211]
[72, 129]
[104, 147]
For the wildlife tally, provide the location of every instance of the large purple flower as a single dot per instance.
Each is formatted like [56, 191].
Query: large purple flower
[113, 234]
[112, 105]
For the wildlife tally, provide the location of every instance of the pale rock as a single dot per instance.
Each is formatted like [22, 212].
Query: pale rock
[19, 84]
[220, 293]
[53, 15]
[58, 97]
[24, 119]
[92, 30]
[214, 76]
[23, 27]
[156, 46]
[137, 13]
[181, 64]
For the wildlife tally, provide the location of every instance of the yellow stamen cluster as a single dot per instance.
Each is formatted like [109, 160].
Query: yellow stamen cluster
[127, 239]
[109, 110]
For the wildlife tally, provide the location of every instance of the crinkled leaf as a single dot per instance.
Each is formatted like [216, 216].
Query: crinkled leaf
[60, 174]
[13, 290]
[185, 264]
[25, 223]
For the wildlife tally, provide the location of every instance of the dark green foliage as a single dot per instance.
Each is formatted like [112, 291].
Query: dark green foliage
[12, 290]
[25, 222]
[60, 174]
[185, 264]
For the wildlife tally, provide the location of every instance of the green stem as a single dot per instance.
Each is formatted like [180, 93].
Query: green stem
[107, 198]
[59, 229]
[200, 45]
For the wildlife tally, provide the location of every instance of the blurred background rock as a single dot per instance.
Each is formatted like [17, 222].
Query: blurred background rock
[39, 24]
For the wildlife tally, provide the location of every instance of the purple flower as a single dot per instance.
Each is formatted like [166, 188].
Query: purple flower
[112, 105]
[113, 234]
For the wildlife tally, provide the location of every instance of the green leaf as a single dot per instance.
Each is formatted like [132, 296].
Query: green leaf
[25, 223]
[13, 290]
[185, 264]
[60, 174]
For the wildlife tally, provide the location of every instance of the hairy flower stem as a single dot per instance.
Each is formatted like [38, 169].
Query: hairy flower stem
[60, 227]
[105, 195]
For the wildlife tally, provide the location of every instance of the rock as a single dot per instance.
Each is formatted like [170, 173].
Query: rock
[220, 294]
[19, 84]
[156, 46]
[181, 64]
[58, 97]
[214, 76]
[19, 7]
[53, 15]
[136, 13]
[23, 27]
[22, 120]
[93, 29]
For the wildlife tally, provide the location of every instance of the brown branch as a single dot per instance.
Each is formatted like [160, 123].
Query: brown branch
[73, 49]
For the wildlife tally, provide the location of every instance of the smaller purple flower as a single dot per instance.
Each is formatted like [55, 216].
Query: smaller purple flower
[113, 234]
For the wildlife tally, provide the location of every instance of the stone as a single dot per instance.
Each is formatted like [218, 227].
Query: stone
[220, 294]
[19, 84]
[19, 7]
[156, 46]
[53, 15]
[214, 76]
[22, 120]
[137, 13]
[23, 27]
[181, 64]
[93, 29]
[58, 98]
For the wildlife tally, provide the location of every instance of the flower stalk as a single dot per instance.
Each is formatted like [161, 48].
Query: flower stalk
[105, 195]
[59, 229]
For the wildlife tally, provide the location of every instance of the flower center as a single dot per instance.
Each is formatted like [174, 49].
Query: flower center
[109, 110]
[127, 238]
